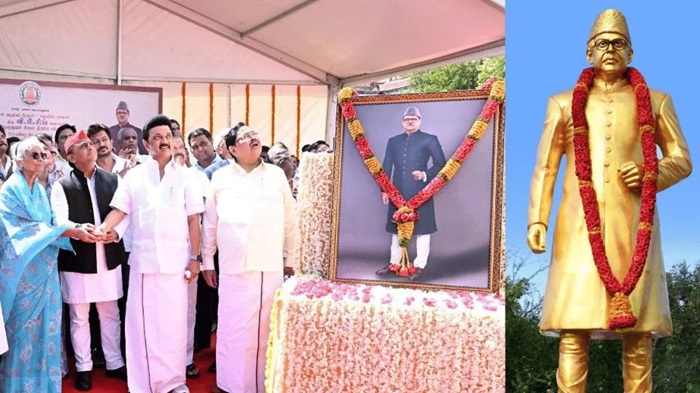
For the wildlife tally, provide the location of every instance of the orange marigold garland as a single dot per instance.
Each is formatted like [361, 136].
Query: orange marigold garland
[184, 94]
[407, 213]
[247, 104]
[211, 106]
[298, 140]
[620, 313]
[272, 128]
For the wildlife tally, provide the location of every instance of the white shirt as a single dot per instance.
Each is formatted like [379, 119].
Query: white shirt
[250, 217]
[202, 180]
[159, 209]
[119, 164]
[62, 165]
[80, 288]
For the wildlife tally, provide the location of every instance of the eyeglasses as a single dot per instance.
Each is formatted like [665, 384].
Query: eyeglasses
[411, 119]
[35, 155]
[247, 137]
[617, 44]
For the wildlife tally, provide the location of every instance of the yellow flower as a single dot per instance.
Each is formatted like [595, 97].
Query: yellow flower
[345, 94]
[498, 90]
[355, 128]
[373, 165]
[478, 129]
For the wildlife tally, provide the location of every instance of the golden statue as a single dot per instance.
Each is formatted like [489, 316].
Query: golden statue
[609, 288]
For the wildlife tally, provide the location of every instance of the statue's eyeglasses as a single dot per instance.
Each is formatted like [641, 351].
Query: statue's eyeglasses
[617, 44]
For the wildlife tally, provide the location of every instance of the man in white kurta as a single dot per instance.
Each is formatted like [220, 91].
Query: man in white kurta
[164, 202]
[85, 278]
[250, 217]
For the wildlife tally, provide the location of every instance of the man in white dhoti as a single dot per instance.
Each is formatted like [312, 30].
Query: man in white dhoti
[250, 217]
[164, 202]
[91, 274]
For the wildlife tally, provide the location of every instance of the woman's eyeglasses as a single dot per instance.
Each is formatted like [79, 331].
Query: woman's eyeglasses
[37, 155]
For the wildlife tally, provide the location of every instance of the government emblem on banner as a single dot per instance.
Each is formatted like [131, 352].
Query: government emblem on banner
[30, 93]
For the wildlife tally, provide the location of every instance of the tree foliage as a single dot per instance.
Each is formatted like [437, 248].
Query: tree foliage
[531, 359]
[461, 76]
[676, 361]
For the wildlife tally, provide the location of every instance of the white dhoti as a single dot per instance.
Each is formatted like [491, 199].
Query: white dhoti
[156, 337]
[191, 318]
[245, 302]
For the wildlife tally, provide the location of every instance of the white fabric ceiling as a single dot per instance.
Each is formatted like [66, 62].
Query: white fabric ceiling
[244, 41]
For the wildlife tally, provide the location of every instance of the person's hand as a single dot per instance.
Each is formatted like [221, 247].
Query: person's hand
[109, 236]
[193, 267]
[631, 175]
[418, 175]
[288, 271]
[210, 278]
[127, 153]
[85, 234]
[537, 237]
[385, 198]
[123, 171]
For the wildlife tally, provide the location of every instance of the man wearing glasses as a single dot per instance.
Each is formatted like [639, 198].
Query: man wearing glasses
[250, 217]
[406, 163]
[600, 126]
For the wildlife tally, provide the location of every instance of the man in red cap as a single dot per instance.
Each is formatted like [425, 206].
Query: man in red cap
[91, 274]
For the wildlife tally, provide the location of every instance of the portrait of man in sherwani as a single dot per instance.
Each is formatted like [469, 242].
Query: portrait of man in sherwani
[406, 163]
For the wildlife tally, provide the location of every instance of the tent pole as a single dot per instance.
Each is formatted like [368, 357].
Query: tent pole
[120, 14]
[331, 118]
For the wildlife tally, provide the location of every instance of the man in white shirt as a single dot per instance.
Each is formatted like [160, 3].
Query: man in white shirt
[250, 217]
[91, 274]
[164, 202]
[106, 159]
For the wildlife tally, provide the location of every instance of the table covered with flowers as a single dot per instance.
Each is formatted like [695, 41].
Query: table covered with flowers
[337, 337]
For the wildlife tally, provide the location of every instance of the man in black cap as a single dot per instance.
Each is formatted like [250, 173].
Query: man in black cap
[123, 122]
[406, 163]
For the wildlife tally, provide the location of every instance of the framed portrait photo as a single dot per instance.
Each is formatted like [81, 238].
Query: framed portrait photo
[457, 240]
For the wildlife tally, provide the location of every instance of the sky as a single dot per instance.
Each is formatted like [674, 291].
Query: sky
[545, 53]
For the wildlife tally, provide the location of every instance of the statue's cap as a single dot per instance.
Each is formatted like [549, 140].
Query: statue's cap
[610, 21]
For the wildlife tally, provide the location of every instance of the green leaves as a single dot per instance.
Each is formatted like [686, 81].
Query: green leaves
[461, 76]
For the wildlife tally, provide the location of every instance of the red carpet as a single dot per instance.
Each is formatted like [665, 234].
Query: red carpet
[102, 384]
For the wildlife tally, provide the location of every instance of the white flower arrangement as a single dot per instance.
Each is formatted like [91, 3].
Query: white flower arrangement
[314, 212]
[337, 337]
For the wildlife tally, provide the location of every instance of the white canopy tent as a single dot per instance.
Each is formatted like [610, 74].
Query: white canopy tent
[316, 44]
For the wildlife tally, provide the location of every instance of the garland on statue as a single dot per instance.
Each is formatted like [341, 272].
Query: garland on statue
[407, 213]
[620, 314]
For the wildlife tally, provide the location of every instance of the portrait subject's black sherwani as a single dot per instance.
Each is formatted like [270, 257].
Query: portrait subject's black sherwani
[406, 153]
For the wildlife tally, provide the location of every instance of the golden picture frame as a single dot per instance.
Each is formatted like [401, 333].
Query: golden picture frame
[466, 251]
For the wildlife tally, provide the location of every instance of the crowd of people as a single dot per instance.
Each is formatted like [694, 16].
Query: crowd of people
[102, 247]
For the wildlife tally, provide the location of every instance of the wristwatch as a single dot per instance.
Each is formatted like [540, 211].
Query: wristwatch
[197, 258]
